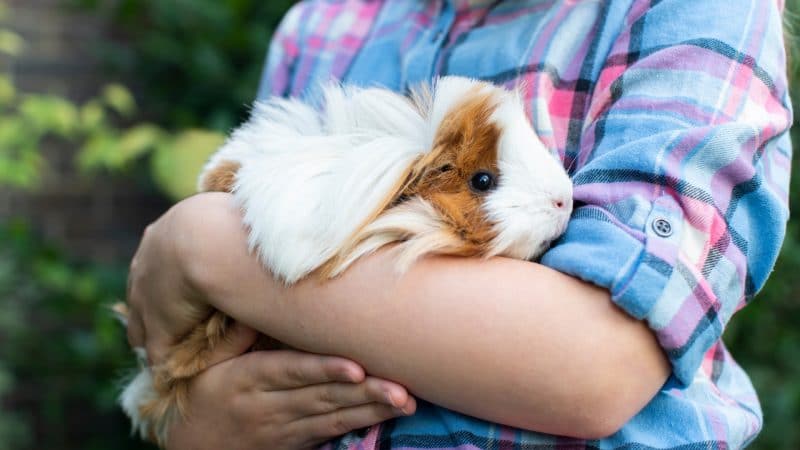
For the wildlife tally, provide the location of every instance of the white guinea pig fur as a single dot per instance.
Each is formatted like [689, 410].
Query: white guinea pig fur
[453, 169]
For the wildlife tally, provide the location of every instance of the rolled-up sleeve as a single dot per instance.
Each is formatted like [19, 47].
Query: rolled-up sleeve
[682, 171]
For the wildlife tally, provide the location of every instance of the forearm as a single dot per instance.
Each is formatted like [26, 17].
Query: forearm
[533, 347]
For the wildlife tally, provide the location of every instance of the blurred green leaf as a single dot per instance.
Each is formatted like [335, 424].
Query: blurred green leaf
[92, 115]
[136, 141]
[14, 132]
[113, 150]
[85, 288]
[98, 152]
[50, 113]
[120, 99]
[22, 168]
[10, 43]
[176, 164]
[53, 274]
[7, 90]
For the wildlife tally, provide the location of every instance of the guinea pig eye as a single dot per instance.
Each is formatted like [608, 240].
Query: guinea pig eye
[482, 181]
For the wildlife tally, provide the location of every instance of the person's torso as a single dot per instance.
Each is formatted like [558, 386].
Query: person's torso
[554, 51]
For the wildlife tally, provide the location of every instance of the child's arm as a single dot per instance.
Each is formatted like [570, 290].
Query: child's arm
[504, 340]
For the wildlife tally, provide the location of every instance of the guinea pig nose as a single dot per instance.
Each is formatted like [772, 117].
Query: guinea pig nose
[562, 202]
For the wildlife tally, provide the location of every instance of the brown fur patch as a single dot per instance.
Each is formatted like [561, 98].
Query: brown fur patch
[190, 356]
[221, 178]
[466, 142]
[187, 358]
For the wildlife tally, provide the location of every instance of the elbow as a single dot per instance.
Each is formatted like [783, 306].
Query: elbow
[611, 397]
[600, 417]
[601, 423]
[586, 412]
[621, 380]
[611, 403]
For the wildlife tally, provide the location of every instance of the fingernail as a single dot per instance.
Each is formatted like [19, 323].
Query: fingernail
[387, 394]
[401, 412]
[348, 375]
[353, 374]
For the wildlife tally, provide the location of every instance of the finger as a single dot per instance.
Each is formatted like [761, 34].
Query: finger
[279, 370]
[330, 425]
[329, 397]
[238, 338]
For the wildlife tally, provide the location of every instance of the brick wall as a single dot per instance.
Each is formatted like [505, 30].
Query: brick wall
[98, 219]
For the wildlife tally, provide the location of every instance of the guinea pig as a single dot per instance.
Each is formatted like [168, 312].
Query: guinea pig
[454, 169]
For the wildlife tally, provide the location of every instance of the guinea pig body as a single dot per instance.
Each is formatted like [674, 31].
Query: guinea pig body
[456, 169]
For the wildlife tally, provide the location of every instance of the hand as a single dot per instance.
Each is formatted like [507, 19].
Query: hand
[163, 304]
[258, 400]
[165, 300]
[283, 400]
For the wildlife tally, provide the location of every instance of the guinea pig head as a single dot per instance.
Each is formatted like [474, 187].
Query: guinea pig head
[494, 185]
[487, 185]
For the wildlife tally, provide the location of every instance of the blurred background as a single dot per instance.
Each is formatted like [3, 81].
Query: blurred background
[107, 110]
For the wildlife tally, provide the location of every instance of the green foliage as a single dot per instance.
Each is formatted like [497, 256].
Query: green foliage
[61, 350]
[174, 167]
[195, 64]
[27, 120]
[197, 61]
[62, 354]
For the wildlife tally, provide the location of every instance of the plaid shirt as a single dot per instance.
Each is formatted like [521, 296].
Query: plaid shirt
[672, 118]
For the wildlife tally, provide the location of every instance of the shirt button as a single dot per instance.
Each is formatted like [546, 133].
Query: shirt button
[662, 227]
